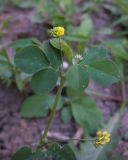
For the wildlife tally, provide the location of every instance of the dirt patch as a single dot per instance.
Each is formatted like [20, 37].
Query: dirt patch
[15, 131]
[20, 26]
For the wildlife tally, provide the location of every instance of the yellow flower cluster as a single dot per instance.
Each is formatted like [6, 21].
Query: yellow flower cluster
[57, 31]
[103, 137]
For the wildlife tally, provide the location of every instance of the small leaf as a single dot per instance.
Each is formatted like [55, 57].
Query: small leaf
[87, 114]
[52, 54]
[95, 54]
[3, 55]
[44, 81]
[118, 48]
[22, 43]
[24, 153]
[66, 114]
[21, 79]
[104, 72]
[5, 66]
[64, 153]
[54, 152]
[38, 106]
[76, 38]
[31, 59]
[84, 30]
[55, 148]
[64, 47]
[101, 69]
[67, 153]
[77, 78]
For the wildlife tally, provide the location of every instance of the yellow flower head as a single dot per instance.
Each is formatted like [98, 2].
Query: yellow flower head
[57, 31]
[103, 137]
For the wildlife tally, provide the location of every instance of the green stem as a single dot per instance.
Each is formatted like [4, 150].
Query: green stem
[73, 139]
[123, 87]
[44, 137]
[61, 52]
[67, 140]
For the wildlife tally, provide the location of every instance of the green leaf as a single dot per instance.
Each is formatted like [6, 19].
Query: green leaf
[64, 153]
[104, 72]
[24, 153]
[31, 59]
[52, 54]
[66, 114]
[118, 48]
[44, 81]
[39, 155]
[64, 47]
[77, 78]
[54, 152]
[101, 69]
[38, 106]
[88, 151]
[3, 55]
[21, 79]
[76, 38]
[87, 114]
[84, 30]
[67, 153]
[95, 54]
[5, 66]
[22, 43]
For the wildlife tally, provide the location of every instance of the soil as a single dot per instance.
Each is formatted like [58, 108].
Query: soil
[16, 131]
[20, 26]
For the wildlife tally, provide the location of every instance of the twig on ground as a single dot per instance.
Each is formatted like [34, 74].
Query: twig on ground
[78, 136]
[105, 96]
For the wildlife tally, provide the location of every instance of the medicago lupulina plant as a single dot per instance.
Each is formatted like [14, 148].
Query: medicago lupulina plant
[45, 63]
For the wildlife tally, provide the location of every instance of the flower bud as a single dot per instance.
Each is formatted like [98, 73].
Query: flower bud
[57, 31]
